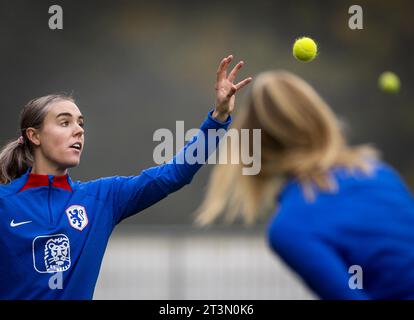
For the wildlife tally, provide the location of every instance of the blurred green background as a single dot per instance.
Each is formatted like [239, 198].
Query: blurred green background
[135, 67]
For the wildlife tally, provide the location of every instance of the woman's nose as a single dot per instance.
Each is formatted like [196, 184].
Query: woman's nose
[79, 130]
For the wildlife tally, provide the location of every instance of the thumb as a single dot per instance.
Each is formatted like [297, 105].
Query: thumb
[232, 91]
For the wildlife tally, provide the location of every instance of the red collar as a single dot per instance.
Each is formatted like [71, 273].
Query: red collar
[40, 180]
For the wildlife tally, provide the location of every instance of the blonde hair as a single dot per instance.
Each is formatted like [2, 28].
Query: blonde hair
[300, 138]
[16, 157]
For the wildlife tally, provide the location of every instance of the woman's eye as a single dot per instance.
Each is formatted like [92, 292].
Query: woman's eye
[66, 123]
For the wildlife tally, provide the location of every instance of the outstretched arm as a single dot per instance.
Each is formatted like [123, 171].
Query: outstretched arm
[135, 193]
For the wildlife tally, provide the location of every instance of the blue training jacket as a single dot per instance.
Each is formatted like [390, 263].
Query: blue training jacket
[356, 243]
[51, 226]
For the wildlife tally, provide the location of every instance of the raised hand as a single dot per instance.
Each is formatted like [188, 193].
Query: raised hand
[226, 89]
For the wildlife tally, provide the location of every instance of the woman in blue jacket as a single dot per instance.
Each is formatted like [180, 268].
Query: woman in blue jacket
[344, 220]
[51, 225]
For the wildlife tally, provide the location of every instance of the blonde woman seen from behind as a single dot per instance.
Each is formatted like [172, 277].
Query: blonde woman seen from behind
[335, 206]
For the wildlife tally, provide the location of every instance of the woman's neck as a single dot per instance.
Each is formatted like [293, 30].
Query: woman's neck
[48, 170]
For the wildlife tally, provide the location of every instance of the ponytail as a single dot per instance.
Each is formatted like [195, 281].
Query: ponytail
[15, 159]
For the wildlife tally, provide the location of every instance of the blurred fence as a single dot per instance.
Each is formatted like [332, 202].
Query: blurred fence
[188, 263]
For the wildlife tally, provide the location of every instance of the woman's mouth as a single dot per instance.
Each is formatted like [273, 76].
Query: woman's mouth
[77, 146]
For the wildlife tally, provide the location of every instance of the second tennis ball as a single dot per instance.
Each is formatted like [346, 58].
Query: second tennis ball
[389, 82]
[305, 49]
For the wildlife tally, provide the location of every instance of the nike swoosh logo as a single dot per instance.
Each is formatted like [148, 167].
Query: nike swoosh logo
[13, 224]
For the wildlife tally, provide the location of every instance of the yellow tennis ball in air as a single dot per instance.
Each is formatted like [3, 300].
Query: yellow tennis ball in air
[305, 49]
[389, 82]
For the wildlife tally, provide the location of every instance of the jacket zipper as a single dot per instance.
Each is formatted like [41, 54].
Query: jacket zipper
[48, 201]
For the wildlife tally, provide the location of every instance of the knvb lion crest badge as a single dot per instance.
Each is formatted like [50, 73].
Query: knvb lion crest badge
[51, 253]
[77, 216]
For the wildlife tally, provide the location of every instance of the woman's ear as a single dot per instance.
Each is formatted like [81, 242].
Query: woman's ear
[33, 135]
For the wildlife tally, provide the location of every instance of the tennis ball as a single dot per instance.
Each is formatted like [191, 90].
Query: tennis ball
[389, 82]
[305, 49]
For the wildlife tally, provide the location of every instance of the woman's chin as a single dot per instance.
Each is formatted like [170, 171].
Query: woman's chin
[69, 160]
[71, 163]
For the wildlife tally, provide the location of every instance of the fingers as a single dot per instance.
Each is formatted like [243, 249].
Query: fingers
[222, 69]
[237, 87]
[222, 75]
[233, 72]
[243, 83]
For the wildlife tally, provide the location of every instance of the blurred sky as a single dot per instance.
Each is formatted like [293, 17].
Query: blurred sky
[137, 66]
